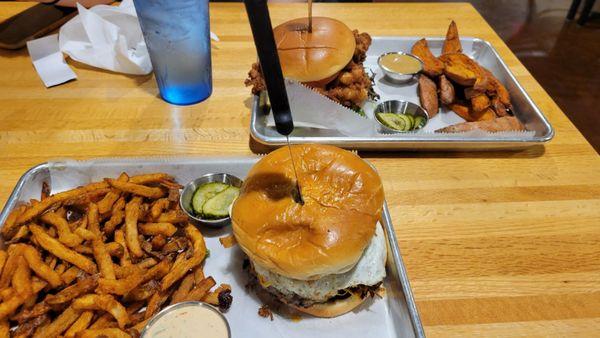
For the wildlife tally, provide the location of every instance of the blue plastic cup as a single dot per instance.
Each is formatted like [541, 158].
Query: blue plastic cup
[177, 33]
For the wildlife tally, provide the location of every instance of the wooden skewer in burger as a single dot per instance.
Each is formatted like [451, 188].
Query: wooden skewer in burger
[329, 58]
[324, 257]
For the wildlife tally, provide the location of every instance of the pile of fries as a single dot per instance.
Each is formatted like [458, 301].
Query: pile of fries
[101, 260]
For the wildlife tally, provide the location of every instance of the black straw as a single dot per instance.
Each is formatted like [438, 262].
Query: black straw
[260, 23]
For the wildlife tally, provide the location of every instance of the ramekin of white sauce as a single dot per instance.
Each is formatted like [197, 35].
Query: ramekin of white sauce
[187, 319]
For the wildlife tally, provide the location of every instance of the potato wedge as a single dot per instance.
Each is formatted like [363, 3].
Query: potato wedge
[431, 65]
[452, 42]
[428, 95]
[507, 123]
[447, 94]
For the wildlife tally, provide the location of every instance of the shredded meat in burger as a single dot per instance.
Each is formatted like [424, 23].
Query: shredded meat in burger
[350, 88]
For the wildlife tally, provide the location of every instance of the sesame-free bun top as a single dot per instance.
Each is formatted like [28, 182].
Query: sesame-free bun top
[315, 56]
[343, 198]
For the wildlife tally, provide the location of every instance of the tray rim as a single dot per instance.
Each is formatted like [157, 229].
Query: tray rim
[363, 143]
[386, 220]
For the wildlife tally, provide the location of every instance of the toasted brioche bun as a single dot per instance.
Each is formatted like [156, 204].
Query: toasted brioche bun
[315, 56]
[343, 198]
[332, 308]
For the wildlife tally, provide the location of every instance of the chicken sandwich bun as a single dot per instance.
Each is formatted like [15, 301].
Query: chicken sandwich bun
[323, 257]
[329, 59]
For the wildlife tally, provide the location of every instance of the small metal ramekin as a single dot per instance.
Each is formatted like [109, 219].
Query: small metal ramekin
[395, 76]
[185, 199]
[398, 107]
[169, 308]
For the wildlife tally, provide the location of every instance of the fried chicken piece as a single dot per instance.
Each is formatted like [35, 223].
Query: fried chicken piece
[351, 86]
[447, 94]
[428, 95]
[255, 79]
[507, 123]
[431, 65]
[363, 42]
[452, 42]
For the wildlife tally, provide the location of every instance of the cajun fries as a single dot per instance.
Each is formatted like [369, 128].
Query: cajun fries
[101, 260]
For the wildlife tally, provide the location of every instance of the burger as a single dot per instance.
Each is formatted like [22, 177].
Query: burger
[328, 59]
[324, 256]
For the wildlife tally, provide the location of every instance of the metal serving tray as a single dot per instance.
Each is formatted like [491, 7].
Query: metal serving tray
[482, 51]
[393, 316]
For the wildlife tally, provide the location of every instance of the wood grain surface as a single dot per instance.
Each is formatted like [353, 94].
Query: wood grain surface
[495, 244]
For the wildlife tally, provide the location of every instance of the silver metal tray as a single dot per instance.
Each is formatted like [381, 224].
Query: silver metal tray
[393, 316]
[482, 51]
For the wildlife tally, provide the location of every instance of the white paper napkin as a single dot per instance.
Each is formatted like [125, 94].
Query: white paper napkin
[311, 109]
[107, 37]
[48, 61]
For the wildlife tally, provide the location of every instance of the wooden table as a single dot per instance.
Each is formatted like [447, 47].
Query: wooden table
[496, 244]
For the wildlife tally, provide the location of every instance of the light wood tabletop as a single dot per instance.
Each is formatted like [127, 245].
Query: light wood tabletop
[495, 244]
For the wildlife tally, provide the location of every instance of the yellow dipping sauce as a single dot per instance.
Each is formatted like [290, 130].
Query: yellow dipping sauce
[400, 63]
[188, 321]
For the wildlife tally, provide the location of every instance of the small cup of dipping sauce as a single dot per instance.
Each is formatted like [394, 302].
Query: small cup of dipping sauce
[399, 66]
[187, 320]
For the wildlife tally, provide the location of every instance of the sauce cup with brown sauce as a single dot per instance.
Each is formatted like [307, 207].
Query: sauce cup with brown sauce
[400, 67]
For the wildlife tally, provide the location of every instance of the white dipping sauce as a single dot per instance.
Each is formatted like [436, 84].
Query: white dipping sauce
[188, 321]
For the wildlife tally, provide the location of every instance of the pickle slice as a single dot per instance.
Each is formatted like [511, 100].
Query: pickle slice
[392, 120]
[218, 206]
[204, 193]
[419, 122]
[408, 121]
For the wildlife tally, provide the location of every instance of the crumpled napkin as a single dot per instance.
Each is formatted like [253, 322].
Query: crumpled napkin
[107, 37]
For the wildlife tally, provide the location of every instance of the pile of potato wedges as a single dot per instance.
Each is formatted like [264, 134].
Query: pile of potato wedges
[456, 81]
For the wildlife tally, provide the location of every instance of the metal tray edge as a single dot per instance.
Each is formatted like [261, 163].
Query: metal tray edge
[415, 318]
[355, 142]
[542, 139]
[14, 195]
[386, 218]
